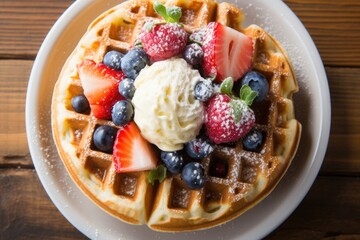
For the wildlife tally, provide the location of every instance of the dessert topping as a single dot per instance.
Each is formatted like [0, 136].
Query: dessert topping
[173, 161]
[104, 137]
[132, 152]
[113, 59]
[127, 88]
[199, 148]
[100, 84]
[258, 83]
[193, 175]
[80, 104]
[158, 174]
[193, 54]
[253, 140]
[229, 118]
[227, 52]
[164, 40]
[122, 113]
[203, 90]
[133, 62]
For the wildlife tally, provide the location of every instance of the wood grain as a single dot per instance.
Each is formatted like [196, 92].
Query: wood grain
[27, 212]
[14, 76]
[37, 218]
[334, 26]
[331, 209]
[330, 202]
[343, 151]
[24, 25]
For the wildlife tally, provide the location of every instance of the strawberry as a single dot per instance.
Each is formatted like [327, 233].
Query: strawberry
[100, 84]
[104, 111]
[164, 40]
[229, 118]
[132, 152]
[227, 52]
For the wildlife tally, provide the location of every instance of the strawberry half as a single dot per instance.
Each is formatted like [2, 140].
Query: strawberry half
[227, 52]
[132, 152]
[100, 84]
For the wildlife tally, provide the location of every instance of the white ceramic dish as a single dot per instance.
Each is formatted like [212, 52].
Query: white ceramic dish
[312, 110]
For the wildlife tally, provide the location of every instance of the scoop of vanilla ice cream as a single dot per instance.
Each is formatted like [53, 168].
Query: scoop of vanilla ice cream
[166, 110]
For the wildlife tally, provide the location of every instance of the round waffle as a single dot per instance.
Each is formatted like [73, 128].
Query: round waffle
[171, 205]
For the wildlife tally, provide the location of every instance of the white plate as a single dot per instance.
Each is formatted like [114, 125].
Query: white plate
[312, 110]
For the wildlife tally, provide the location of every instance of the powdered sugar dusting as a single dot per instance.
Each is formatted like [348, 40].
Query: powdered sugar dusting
[221, 119]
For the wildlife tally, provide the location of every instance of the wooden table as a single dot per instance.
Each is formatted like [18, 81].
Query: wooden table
[331, 210]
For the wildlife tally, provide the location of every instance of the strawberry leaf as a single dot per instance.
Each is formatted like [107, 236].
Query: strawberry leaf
[237, 109]
[161, 10]
[247, 94]
[174, 13]
[170, 14]
[226, 86]
[158, 174]
[149, 26]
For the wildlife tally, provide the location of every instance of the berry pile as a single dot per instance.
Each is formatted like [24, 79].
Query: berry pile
[221, 54]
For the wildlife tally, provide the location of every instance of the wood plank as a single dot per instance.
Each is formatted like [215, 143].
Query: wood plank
[329, 211]
[14, 76]
[334, 26]
[33, 216]
[27, 212]
[24, 25]
[343, 150]
[341, 158]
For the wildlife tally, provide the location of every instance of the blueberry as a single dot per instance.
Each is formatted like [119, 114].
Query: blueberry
[113, 59]
[193, 54]
[173, 161]
[104, 137]
[203, 90]
[253, 140]
[80, 104]
[133, 61]
[257, 83]
[122, 112]
[127, 88]
[199, 148]
[193, 175]
[197, 37]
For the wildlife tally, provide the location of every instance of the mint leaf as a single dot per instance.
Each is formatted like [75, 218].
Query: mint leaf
[138, 44]
[161, 10]
[174, 13]
[158, 174]
[226, 86]
[170, 14]
[247, 94]
[237, 109]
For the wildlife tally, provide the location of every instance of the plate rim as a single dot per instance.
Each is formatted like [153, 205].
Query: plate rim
[31, 109]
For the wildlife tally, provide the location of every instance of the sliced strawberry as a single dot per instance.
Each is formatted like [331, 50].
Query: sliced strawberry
[164, 41]
[100, 84]
[227, 52]
[104, 111]
[132, 152]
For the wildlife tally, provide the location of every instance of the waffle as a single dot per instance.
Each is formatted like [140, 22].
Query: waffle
[171, 205]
